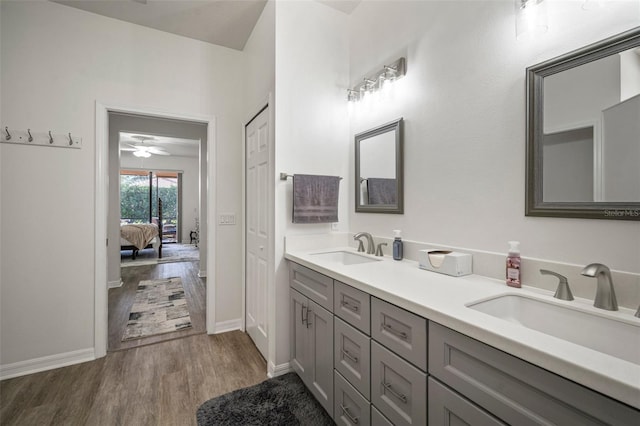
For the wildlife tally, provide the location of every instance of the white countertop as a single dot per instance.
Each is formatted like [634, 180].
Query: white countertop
[442, 299]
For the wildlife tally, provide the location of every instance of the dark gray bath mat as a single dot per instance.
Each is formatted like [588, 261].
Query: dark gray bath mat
[282, 400]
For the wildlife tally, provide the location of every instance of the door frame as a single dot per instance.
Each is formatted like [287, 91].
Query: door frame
[271, 292]
[101, 213]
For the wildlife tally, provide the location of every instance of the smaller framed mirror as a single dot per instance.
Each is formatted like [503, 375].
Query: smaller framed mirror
[379, 170]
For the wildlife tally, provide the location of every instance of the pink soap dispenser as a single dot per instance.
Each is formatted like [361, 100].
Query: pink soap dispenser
[513, 265]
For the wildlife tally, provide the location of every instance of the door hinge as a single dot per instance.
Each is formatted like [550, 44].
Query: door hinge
[107, 242]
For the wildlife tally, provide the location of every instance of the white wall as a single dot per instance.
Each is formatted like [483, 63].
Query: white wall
[260, 55]
[311, 128]
[463, 101]
[629, 74]
[190, 187]
[56, 62]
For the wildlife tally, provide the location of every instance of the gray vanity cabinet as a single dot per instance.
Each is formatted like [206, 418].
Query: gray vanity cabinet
[446, 407]
[351, 408]
[352, 356]
[401, 331]
[398, 389]
[353, 306]
[312, 347]
[515, 391]
[312, 332]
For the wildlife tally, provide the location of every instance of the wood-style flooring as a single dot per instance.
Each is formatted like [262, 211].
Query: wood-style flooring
[161, 384]
[121, 299]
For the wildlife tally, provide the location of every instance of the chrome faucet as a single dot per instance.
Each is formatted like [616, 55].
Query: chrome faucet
[563, 292]
[371, 246]
[605, 295]
[379, 252]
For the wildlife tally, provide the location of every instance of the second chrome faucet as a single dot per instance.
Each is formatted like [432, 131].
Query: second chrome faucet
[371, 246]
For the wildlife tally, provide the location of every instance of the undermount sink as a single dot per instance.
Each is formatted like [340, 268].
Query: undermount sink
[613, 336]
[344, 257]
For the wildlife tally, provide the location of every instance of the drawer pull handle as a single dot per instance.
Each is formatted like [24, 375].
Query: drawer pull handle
[395, 393]
[351, 357]
[308, 312]
[302, 314]
[400, 334]
[349, 306]
[346, 412]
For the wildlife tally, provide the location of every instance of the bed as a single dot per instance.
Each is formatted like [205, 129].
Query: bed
[140, 236]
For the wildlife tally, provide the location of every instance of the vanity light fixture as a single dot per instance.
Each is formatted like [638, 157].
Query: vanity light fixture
[531, 18]
[388, 74]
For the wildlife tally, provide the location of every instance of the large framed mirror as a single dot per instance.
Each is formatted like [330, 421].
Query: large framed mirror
[583, 132]
[379, 170]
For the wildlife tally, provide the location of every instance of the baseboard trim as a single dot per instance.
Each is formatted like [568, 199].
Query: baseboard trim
[202, 274]
[278, 370]
[115, 284]
[231, 325]
[36, 365]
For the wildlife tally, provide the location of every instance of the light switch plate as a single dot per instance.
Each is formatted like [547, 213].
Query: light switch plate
[227, 219]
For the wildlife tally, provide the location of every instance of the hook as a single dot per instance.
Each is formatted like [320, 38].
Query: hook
[50, 137]
[6, 129]
[30, 137]
[70, 140]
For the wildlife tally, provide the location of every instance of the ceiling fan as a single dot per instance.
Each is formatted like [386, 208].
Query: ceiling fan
[143, 150]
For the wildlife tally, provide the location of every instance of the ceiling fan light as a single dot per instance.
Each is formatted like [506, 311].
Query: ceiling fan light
[142, 154]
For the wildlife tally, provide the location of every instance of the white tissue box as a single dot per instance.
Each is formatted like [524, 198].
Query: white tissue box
[445, 262]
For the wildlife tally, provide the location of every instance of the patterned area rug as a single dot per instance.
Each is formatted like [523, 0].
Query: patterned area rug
[170, 253]
[283, 400]
[159, 307]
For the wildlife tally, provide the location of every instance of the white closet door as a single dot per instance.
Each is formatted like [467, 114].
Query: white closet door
[257, 229]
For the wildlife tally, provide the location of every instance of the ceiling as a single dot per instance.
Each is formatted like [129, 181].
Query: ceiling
[227, 23]
[176, 147]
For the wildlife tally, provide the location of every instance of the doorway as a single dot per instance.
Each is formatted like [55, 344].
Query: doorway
[107, 223]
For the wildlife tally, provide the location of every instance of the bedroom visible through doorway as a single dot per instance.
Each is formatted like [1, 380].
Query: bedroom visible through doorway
[155, 207]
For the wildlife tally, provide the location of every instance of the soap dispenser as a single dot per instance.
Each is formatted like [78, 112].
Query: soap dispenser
[513, 265]
[397, 245]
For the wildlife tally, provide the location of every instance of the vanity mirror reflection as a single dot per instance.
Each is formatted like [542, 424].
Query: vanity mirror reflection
[583, 132]
[379, 173]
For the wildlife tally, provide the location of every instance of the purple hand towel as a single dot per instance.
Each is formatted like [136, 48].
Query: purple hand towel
[381, 191]
[315, 198]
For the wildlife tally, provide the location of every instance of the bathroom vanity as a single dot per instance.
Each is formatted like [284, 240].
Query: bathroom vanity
[382, 342]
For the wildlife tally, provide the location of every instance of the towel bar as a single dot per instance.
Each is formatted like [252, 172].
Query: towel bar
[285, 176]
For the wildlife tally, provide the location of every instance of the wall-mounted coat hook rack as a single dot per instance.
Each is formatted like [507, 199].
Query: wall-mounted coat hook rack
[43, 138]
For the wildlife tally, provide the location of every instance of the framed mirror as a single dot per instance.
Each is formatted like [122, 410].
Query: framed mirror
[583, 132]
[379, 172]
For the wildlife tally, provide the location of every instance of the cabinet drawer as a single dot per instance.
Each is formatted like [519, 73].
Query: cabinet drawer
[352, 355]
[312, 284]
[446, 407]
[377, 419]
[514, 390]
[353, 306]
[350, 407]
[401, 331]
[398, 389]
